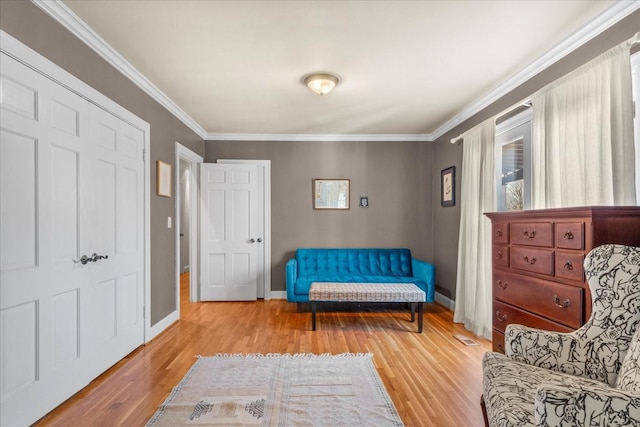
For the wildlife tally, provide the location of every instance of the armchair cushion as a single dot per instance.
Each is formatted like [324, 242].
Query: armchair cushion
[586, 406]
[510, 389]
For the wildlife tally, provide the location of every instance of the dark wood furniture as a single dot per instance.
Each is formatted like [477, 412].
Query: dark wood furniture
[537, 256]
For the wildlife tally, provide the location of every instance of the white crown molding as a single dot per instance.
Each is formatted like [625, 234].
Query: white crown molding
[306, 137]
[72, 22]
[614, 13]
[62, 14]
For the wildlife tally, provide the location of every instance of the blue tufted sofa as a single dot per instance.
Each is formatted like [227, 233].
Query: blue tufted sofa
[356, 266]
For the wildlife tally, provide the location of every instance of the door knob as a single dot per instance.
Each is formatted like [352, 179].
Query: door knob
[95, 257]
[252, 240]
[259, 239]
[83, 260]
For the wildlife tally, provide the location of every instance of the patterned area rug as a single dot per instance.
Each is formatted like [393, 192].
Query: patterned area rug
[279, 390]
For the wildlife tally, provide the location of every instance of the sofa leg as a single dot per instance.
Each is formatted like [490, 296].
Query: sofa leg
[484, 411]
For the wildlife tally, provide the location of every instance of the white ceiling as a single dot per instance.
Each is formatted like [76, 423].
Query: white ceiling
[406, 67]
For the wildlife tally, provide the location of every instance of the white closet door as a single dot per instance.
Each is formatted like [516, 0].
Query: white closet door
[59, 200]
[113, 212]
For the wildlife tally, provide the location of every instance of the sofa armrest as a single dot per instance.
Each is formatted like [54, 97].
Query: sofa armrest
[426, 272]
[563, 352]
[291, 275]
[585, 405]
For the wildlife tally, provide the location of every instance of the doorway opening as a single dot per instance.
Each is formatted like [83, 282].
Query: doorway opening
[186, 223]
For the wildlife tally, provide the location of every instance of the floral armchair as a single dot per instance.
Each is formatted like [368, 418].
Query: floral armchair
[589, 377]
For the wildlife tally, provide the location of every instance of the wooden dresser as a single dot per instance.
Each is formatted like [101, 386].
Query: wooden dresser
[537, 261]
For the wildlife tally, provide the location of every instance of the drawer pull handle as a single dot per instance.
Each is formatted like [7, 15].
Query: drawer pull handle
[568, 265]
[556, 301]
[568, 235]
[529, 261]
[502, 285]
[529, 235]
[499, 233]
[501, 317]
[499, 254]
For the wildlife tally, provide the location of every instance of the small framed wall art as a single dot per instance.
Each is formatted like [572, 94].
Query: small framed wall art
[330, 194]
[163, 179]
[448, 186]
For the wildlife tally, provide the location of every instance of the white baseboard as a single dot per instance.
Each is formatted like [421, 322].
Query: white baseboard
[447, 302]
[278, 295]
[162, 325]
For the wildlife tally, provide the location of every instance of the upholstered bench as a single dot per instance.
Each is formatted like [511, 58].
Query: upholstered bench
[367, 292]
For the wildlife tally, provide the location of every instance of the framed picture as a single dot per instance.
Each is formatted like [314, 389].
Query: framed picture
[163, 179]
[448, 186]
[330, 194]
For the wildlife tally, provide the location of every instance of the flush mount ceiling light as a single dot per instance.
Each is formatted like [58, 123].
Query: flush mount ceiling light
[321, 83]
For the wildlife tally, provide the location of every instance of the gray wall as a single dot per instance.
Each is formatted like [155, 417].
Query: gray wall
[27, 23]
[396, 176]
[446, 220]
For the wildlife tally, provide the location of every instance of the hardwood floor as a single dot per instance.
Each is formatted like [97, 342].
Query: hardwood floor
[432, 378]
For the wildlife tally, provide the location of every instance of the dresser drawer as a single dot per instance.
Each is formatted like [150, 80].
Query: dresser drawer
[532, 233]
[558, 302]
[500, 232]
[505, 314]
[570, 235]
[536, 260]
[569, 265]
[501, 255]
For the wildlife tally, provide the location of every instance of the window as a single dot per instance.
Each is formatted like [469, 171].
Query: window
[513, 162]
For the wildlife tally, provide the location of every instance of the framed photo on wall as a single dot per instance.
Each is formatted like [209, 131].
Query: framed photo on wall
[330, 194]
[163, 179]
[448, 186]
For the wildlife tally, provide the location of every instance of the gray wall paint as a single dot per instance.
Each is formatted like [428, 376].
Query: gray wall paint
[446, 220]
[395, 176]
[27, 23]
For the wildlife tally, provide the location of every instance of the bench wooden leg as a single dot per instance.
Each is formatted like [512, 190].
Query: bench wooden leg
[313, 315]
[420, 315]
[413, 310]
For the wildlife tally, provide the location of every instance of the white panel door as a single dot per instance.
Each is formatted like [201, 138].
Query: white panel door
[113, 210]
[228, 235]
[42, 174]
[52, 201]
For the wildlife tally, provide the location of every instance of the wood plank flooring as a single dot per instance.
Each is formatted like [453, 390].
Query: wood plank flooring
[432, 378]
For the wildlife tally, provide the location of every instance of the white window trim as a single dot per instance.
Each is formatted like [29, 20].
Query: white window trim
[504, 137]
[635, 78]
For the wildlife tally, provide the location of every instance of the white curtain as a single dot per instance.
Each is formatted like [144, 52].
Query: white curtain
[583, 149]
[478, 195]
